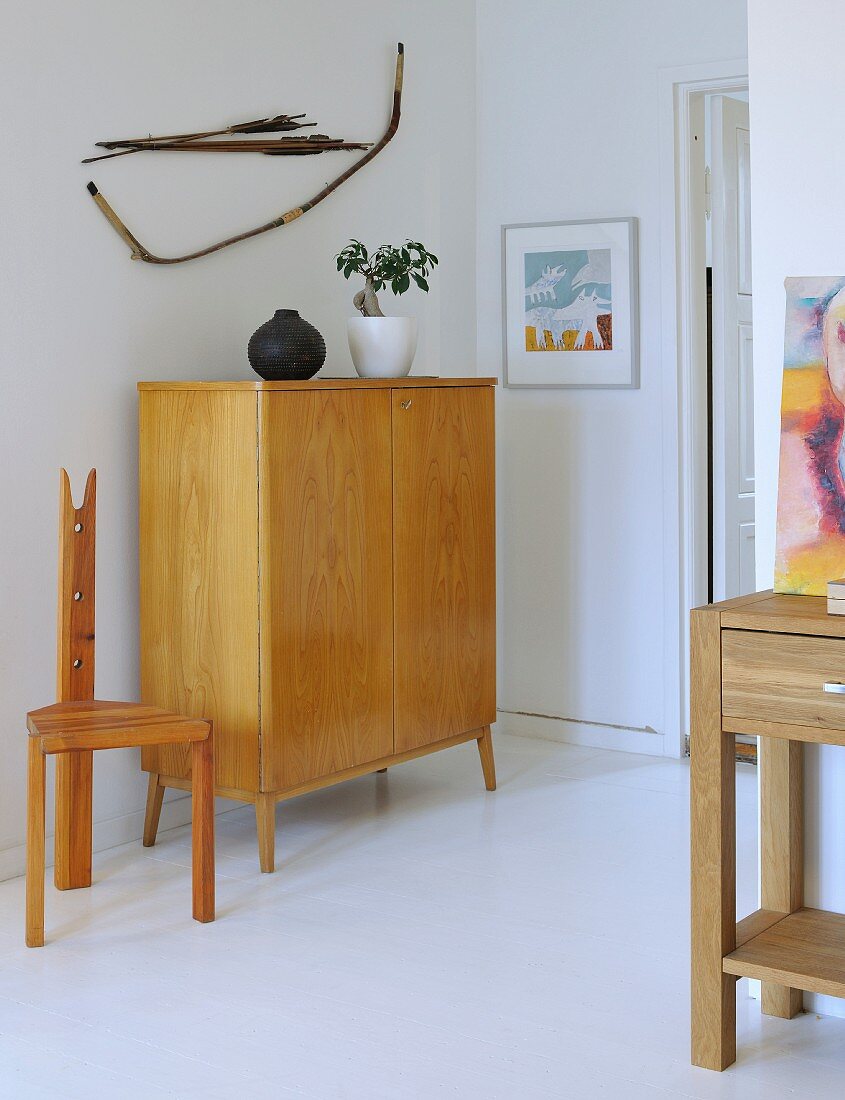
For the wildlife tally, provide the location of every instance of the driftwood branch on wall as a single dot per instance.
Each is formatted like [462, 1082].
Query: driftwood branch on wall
[315, 143]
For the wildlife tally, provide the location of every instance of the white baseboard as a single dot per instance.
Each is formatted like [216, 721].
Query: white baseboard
[823, 1005]
[594, 735]
[176, 810]
[107, 834]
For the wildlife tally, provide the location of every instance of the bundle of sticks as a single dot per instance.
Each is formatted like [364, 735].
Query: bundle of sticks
[227, 143]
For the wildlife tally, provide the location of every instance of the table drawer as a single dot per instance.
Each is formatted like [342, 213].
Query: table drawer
[782, 677]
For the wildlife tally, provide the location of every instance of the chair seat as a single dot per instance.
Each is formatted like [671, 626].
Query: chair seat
[105, 724]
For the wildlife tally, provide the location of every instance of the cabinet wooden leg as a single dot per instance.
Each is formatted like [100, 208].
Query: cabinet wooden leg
[202, 826]
[35, 797]
[488, 764]
[381, 771]
[155, 797]
[781, 849]
[265, 820]
[713, 851]
[74, 788]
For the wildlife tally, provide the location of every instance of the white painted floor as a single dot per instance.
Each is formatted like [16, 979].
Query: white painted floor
[421, 938]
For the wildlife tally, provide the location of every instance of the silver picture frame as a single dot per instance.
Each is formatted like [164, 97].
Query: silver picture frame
[514, 375]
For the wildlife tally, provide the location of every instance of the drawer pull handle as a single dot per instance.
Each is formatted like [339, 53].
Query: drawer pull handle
[406, 404]
[835, 688]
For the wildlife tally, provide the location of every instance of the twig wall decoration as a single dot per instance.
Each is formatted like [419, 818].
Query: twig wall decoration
[288, 146]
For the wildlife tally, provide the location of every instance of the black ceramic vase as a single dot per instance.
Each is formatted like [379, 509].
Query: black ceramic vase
[286, 348]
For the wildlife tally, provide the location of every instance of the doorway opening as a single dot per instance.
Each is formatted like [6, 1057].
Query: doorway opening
[713, 296]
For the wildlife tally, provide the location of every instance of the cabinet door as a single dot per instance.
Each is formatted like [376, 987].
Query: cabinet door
[444, 563]
[199, 573]
[326, 604]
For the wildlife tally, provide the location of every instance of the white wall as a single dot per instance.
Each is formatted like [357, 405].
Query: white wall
[82, 324]
[797, 85]
[569, 121]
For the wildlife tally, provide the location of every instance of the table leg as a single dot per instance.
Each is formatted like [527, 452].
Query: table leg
[781, 849]
[713, 851]
[202, 828]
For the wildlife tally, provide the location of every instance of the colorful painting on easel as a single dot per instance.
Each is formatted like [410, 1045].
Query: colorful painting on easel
[567, 301]
[811, 485]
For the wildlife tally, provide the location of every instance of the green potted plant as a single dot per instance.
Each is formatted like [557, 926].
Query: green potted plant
[384, 347]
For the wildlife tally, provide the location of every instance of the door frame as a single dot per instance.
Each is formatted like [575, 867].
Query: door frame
[684, 335]
[733, 489]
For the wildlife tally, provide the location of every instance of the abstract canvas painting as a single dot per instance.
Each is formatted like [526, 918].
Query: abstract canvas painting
[570, 303]
[811, 485]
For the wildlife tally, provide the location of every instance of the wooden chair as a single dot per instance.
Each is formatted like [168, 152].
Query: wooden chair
[78, 724]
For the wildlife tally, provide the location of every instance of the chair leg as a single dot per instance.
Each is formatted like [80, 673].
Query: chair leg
[36, 783]
[202, 824]
[74, 787]
[155, 797]
[265, 820]
[488, 764]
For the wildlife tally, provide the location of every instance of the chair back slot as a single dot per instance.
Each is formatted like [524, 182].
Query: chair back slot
[75, 634]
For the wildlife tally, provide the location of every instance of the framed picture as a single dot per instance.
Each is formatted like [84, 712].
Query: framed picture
[570, 304]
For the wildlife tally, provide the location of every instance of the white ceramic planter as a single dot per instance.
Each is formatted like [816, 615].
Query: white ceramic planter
[382, 347]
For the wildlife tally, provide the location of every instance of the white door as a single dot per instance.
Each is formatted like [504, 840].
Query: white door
[733, 377]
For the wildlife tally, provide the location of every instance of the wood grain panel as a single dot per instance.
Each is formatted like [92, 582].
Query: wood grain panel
[152, 813]
[322, 383]
[106, 724]
[781, 849]
[199, 572]
[781, 677]
[371, 767]
[756, 923]
[444, 563]
[326, 600]
[75, 679]
[784, 614]
[202, 828]
[76, 604]
[815, 735]
[805, 950]
[488, 763]
[712, 852]
[35, 797]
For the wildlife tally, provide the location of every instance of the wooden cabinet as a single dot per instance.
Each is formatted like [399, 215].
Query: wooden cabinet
[317, 577]
[772, 666]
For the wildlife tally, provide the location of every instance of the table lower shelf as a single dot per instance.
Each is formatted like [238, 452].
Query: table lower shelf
[804, 950]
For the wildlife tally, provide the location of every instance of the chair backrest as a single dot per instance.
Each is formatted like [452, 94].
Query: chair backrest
[75, 636]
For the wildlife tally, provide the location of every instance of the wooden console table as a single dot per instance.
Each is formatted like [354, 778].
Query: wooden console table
[317, 577]
[771, 666]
